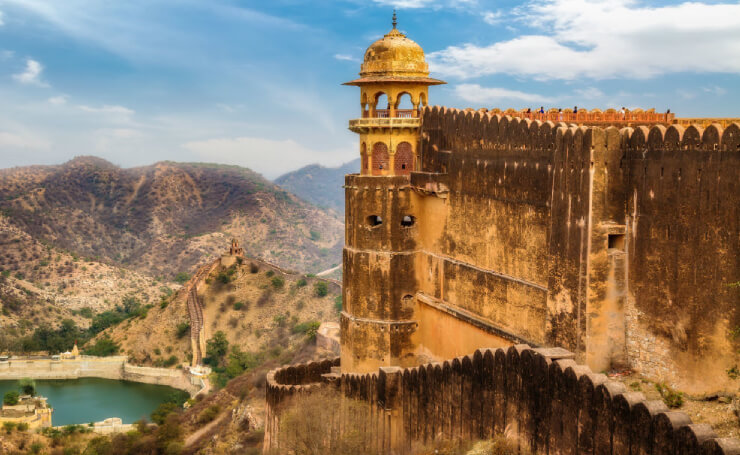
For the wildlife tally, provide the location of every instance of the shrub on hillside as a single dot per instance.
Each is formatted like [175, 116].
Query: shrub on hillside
[182, 278]
[11, 398]
[309, 328]
[301, 283]
[9, 427]
[321, 289]
[183, 329]
[160, 414]
[278, 282]
[103, 347]
[226, 276]
[672, 398]
[209, 414]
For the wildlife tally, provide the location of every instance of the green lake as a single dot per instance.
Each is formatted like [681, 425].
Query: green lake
[80, 401]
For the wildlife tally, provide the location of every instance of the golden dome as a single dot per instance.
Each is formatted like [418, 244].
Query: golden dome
[394, 55]
[394, 58]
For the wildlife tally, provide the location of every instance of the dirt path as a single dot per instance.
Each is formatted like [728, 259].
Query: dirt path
[198, 434]
[329, 271]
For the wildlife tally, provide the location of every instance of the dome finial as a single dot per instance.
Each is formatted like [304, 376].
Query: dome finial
[395, 22]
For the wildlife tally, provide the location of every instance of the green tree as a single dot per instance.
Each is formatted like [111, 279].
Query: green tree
[10, 398]
[159, 415]
[321, 289]
[27, 386]
[216, 349]
[240, 361]
[103, 347]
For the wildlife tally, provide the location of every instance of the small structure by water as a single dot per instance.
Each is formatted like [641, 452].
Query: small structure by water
[33, 411]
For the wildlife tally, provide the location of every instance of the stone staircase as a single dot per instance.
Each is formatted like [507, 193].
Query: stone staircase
[195, 312]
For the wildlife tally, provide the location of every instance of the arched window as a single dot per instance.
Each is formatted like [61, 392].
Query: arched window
[363, 158]
[404, 161]
[380, 158]
[382, 105]
[404, 106]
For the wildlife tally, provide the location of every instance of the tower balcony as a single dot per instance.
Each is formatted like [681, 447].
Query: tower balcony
[383, 119]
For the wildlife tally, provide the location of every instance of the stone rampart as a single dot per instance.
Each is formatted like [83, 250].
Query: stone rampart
[286, 383]
[621, 245]
[540, 397]
[94, 367]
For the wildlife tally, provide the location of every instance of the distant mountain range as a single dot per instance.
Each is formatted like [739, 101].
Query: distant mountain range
[319, 185]
[166, 218]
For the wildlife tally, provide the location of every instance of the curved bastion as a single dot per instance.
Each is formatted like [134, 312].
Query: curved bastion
[539, 397]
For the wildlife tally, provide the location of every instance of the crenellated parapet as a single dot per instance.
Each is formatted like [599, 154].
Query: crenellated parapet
[466, 130]
[541, 398]
[630, 233]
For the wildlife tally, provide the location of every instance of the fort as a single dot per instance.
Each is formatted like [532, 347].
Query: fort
[496, 262]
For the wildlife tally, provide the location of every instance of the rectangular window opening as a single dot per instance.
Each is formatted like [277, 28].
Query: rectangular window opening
[616, 241]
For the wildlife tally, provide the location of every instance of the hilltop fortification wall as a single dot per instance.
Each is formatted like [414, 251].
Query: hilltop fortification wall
[621, 245]
[541, 398]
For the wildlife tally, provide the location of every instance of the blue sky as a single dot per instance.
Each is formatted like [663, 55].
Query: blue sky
[258, 83]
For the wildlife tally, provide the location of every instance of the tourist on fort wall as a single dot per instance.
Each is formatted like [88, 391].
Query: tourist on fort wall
[560, 115]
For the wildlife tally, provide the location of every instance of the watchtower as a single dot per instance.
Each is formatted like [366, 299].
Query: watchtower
[394, 68]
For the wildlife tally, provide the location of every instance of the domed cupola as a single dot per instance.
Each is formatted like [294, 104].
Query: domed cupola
[394, 72]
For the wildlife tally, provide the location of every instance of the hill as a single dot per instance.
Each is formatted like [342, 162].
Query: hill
[262, 310]
[164, 219]
[41, 285]
[319, 185]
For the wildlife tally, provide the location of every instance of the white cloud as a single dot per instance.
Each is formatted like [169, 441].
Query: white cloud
[588, 93]
[109, 114]
[346, 57]
[58, 100]
[269, 157]
[1, 19]
[602, 39]
[474, 93]
[6, 54]
[493, 17]
[32, 74]
[11, 140]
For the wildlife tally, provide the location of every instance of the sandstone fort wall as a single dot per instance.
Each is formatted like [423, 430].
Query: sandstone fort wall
[540, 397]
[563, 234]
